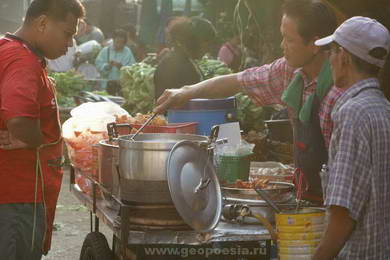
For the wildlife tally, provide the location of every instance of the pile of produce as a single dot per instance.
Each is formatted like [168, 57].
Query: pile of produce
[138, 90]
[68, 84]
[138, 87]
[251, 117]
[211, 68]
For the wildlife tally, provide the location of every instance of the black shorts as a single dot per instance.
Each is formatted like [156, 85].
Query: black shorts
[16, 231]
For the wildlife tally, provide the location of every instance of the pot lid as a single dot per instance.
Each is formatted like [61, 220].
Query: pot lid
[194, 186]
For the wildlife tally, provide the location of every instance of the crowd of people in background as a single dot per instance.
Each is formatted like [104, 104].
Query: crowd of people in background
[100, 58]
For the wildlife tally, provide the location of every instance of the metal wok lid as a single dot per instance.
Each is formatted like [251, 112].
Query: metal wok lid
[194, 186]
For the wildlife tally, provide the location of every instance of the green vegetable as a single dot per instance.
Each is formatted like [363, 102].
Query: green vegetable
[251, 117]
[211, 68]
[68, 84]
[100, 92]
[138, 87]
[138, 90]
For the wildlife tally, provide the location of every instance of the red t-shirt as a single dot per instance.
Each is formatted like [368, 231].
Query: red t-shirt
[25, 91]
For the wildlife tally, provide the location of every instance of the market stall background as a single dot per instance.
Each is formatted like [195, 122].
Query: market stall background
[262, 15]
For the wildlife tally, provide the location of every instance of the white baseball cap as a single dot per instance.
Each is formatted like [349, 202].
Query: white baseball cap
[360, 35]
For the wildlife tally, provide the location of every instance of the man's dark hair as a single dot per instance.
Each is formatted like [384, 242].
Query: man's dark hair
[313, 17]
[57, 9]
[119, 33]
[365, 67]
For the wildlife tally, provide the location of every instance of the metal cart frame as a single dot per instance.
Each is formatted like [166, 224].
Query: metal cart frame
[122, 229]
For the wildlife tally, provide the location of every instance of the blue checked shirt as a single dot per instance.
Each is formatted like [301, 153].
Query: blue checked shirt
[359, 169]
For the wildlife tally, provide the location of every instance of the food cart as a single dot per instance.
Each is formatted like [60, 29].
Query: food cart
[242, 241]
[147, 216]
[160, 196]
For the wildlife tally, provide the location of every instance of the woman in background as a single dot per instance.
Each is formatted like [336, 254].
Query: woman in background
[190, 39]
[230, 52]
[113, 57]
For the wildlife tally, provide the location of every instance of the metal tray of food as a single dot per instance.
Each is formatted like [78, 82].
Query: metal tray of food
[279, 192]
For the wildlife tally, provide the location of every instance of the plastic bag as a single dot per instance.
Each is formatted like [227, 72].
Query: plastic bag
[88, 47]
[98, 109]
[86, 127]
[244, 148]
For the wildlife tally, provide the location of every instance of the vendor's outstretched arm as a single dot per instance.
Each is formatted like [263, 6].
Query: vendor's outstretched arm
[340, 227]
[218, 87]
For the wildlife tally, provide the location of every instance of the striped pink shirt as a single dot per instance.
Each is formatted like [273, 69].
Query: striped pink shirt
[265, 85]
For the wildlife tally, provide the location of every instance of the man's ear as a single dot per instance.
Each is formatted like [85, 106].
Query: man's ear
[41, 22]
[315, 48]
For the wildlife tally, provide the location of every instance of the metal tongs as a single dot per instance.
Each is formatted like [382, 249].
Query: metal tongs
[267, 199]
[143, 126]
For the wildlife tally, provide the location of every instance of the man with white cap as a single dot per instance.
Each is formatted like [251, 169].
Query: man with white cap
[356, 184]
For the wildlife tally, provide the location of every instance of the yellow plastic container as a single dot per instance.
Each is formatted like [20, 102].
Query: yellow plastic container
[304, 250]
[304, 217]
[295, 257]
[299, 233]
[300, 236]
[301, 229]
[298, 243]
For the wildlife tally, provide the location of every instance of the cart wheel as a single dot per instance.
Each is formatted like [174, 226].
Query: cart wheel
[95, 247]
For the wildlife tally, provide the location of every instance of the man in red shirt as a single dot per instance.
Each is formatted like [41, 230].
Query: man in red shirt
[30, 134]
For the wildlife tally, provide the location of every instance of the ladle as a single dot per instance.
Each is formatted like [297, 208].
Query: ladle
[143, 126]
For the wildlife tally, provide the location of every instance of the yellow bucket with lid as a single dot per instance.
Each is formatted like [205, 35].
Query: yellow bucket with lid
[300, 236]
[296, 257]
[301, 229]
[299, 232]
[299, 243]
[303, 250]
[304, 217]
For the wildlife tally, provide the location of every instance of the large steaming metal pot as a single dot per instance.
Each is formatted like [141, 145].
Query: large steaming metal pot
[143, 166]
[108, 154]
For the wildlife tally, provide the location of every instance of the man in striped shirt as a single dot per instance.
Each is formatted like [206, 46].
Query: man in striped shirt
[356, 183]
